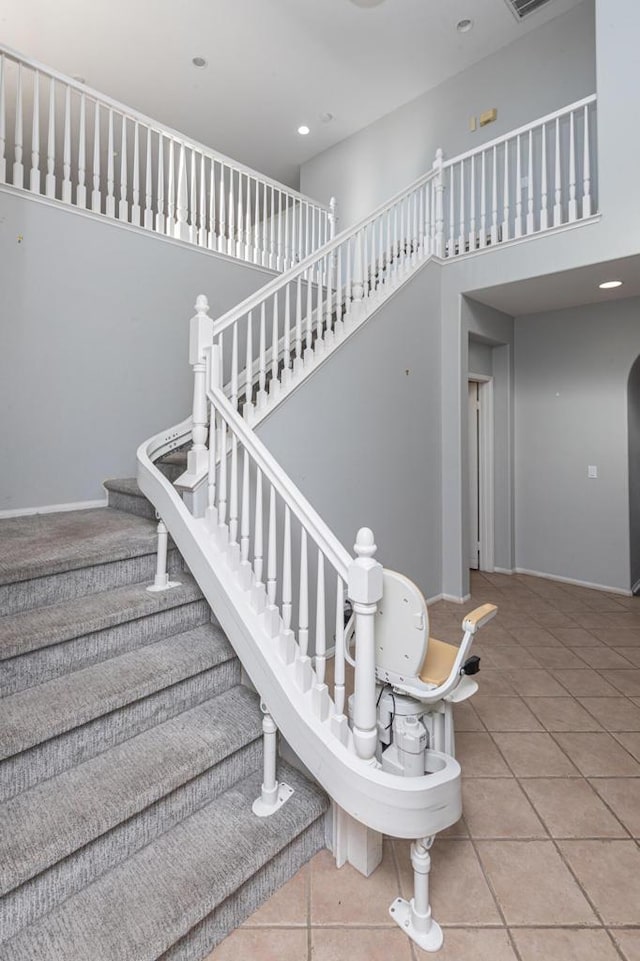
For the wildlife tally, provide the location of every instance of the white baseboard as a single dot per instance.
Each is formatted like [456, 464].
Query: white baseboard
[503, 570]
[607, 589]
[454, 599]
[54, 508]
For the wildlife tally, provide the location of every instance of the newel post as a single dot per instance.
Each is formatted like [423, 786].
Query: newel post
[364, 591]
[439, 211]
[200, 338]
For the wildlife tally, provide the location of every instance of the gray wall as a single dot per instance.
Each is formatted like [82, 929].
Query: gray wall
[544, 70]
[361, 438]
[94, 345]
[480, 359]
[571, 371]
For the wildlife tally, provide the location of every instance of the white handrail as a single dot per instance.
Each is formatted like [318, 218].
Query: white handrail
[146, 173]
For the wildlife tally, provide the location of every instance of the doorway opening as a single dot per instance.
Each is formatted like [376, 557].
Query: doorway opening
[481, 487]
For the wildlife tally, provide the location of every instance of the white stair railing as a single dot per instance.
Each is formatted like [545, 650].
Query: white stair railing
[535, 178]
[62, 140]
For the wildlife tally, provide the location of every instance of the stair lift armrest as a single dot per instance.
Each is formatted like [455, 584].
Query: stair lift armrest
[478, 618]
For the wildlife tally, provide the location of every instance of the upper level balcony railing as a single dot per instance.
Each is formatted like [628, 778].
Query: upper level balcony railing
[62, 140]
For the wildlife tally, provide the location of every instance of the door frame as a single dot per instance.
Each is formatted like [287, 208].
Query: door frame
[486, 498]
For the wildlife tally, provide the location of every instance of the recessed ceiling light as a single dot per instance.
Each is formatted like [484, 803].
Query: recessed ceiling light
[463, 26]
[303, 130]
[199, 62]
[610, 284]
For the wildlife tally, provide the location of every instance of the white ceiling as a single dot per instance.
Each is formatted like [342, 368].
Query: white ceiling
[567, 288]
[272, 64]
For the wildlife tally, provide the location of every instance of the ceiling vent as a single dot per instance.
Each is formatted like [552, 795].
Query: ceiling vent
[522, 8]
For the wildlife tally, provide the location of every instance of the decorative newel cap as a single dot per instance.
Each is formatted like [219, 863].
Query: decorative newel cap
[365, 545]
[439, 157]
[332, 204]
[202, 304]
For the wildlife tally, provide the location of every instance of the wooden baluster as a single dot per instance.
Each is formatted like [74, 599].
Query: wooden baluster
[328, 329]
[494, 198]
[18, 168]
[303, 663]
[308, 353]
[357, 289]
[222, 495]
[557, 209]
[66, 148]
[307, 230]
[297, 364]
[274, 383]
[452, 242]
[123, 206]
[348, 294]
[148, 185]
[505, 199]
[264, 253]
[249, 252]
[483, 200]
[212, 236]
[433, 192]
[313, 228]
[321, 701]
[381, 276]
[233, 554]
[182, 230]
[262, 362]
[192, 218]
[3, 127]
[247, 410]
[34, 175]
[472, 205]
[135, 206]
[287, 251]
[272, 617]
[202, 227]
[415, 219]
[96, 199]
[81, 189]
[211, 514]
[286, 371]
[518, 223]
[240, 246]
[161, 226]
[287, 641]
[279, 245]
[171, 191]
[110, 202]
[339, 672]
[222, 240]
[461, 235]
[257, 238]
[258, 586]
[573, 170]
[544, 213]
[272, 228]
[294, 224]
[530, 215]
[246, 572]
[234, 367]
[231, 243]
[403, 238]
[426, 223]
[586, 167]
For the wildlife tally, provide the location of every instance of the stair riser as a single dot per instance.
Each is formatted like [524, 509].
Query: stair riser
[19, 673]
[45, 760]
[132, 504]
[41, 894]
[54, 588]
[249, 897]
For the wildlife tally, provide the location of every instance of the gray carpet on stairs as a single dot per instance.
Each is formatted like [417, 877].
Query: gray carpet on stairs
[140, 909]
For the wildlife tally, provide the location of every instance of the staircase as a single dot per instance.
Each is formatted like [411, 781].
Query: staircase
[130, 751]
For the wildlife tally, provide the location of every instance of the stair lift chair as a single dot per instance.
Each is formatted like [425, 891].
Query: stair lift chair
[420, 678]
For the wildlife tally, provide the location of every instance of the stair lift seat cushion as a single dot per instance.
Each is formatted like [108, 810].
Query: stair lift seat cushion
[438, 663]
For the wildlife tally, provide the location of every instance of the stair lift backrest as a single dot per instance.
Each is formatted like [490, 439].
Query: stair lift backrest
[402, 630]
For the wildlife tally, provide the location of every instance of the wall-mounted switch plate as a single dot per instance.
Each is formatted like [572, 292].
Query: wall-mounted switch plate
[592, 471]
[472, 124]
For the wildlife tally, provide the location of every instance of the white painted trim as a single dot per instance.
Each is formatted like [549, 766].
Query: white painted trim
[606, 588]
[503, 570]
[515, 241]
[455, 600]
[485, 471]
[54, 508]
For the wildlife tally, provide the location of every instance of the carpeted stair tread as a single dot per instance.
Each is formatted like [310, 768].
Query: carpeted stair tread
[43, 544]
[52, 820]
[49, 709]
[44, 626]
[123, 485]
[142, 907]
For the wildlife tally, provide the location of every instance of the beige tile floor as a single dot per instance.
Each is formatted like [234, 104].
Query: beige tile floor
[545, 865]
